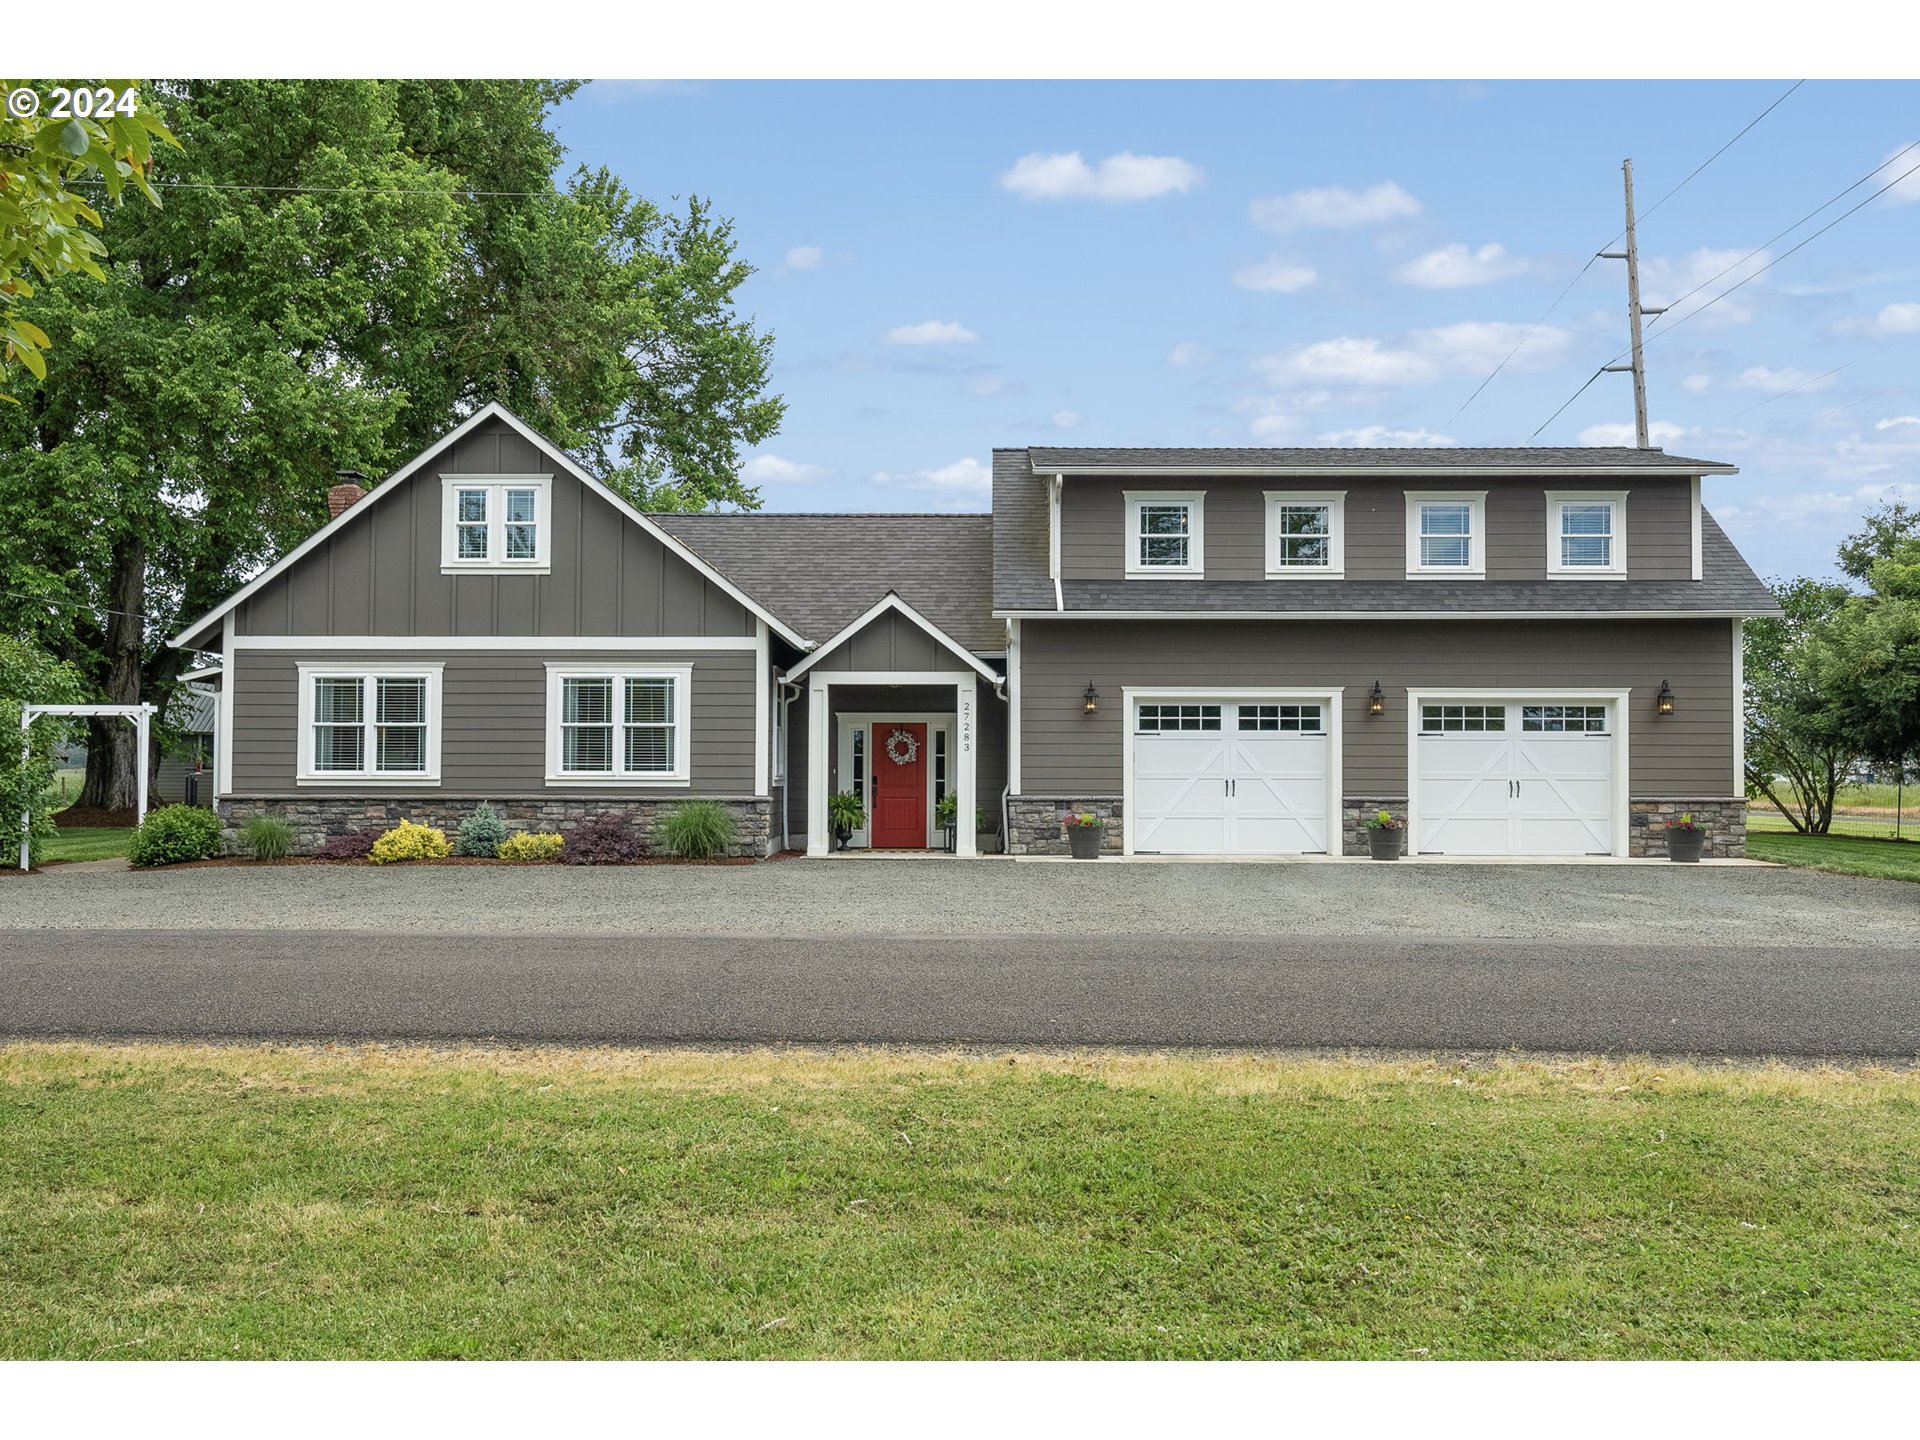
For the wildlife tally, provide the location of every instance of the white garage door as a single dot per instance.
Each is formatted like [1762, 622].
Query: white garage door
[1514, 779]
[1229, 778]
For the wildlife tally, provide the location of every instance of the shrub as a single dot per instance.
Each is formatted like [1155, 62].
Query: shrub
[605, 840]
[267, 837]
[174, 834]
[698, 830]
[28, 674]
[356, 846]
[408, 841]
[531, 847]
[481, 832]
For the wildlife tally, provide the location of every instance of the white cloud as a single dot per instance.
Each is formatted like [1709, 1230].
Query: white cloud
[1382, 435]
[1427, 355]
[1065, 419]
[806, 257]
[1055, 175]
[1901, 318]
[1659, 432]
[1890, 423]
[1665, 278]
[931, 332]
[1453, 267]
[1189, 353]
[1697, 384]
[966, 484]
[983, 386]
[767, 469]
[1332, 207]
[1778, 382]
[1898, 163]
[1274, 274]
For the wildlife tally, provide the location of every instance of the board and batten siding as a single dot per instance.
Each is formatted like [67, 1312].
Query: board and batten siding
[1093, 539]
[1065, 751]
[890, 641]
[380, 574]
[493, 720]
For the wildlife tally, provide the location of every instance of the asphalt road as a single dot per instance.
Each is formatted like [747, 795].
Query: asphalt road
[996, 990]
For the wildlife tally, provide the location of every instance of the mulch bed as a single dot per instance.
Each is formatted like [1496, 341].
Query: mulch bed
[225, 861]
[93, 817]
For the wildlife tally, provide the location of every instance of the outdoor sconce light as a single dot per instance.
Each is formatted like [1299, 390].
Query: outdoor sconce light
[1663, 702]
[1091, 699]
[1376, 702]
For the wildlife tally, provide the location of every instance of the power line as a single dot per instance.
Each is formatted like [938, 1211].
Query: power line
[1590, 259]
[1812, 380]
[1570, 399]
[71, 604]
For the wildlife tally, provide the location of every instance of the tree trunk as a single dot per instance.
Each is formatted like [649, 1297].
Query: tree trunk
[112, 780]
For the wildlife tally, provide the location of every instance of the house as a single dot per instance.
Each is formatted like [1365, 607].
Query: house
[1233, 651]
[185, 774]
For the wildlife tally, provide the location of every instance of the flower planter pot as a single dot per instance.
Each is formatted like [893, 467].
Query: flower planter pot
[1387, 844]
[843, 835]
[1685, 845]
[1084, 841]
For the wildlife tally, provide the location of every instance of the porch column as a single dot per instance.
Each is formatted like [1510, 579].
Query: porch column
[819, 841]
[140, 731]
[966, 724]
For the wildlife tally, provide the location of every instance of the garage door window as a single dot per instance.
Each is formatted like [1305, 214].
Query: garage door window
[1298, 718]
[1163, 719]
[1436, 719]
[1557, 719]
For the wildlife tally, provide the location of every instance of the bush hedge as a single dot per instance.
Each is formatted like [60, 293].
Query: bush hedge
[605, 840]
[531, 847]
[698, 830]
[356, 846]
[408, 841]
[481, 832]
[175, 834]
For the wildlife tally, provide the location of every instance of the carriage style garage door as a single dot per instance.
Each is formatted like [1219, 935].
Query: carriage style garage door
[1227, 777]
[1529, 777]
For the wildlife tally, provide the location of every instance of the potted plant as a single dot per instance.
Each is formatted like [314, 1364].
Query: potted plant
[1685, 840]
[845, 814]
[1386, 835]
[1083, 835]
[945, 813]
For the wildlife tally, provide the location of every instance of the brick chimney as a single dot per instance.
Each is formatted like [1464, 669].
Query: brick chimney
[351, 489]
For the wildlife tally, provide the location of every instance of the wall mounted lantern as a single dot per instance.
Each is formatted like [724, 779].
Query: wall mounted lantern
[1377, 701]
[1663, 702]
[1091, 700]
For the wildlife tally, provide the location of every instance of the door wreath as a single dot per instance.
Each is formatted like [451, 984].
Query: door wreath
[902, 748]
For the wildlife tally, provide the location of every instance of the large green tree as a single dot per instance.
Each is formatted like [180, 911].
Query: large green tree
[1799, 743]
[343, 269]
[1870, 665]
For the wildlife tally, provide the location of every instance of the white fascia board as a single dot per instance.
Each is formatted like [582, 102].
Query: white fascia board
[493, 410]
[1381, 614]
[1489, 472]
[891, 601]
[544, 644]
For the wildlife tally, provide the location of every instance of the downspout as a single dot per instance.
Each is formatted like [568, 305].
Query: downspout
[786, 760]
[1054, 489]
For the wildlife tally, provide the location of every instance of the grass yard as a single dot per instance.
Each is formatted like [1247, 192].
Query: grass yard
[1880, 859]
[208, 1202]
[87, 844]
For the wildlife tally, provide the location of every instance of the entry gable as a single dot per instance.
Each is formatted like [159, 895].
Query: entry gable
[891, 611]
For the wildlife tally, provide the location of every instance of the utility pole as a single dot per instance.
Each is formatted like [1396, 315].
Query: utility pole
[1634, 311]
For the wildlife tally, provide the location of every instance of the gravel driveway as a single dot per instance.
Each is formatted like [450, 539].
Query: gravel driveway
[1676, 906]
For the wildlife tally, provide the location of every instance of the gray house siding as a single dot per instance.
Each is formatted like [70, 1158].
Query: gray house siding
[890, 641]
[1093, 539]
[493, 727]
[380, 575]
[1066, 752]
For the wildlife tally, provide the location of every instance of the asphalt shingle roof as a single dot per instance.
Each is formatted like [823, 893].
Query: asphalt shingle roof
[819, 573]
[1358, 457]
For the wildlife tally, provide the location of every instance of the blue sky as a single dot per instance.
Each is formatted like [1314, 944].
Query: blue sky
[950, 267]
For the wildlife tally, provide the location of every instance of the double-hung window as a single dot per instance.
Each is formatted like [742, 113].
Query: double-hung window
[496, 522]
[1587, 533]
[1446, 535]
[1166, 535]
[618, 725]
[1306, 535]
[376, 723]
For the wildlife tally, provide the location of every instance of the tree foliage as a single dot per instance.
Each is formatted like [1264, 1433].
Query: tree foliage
[1795, 731]
[29, 676]
[1871, 663]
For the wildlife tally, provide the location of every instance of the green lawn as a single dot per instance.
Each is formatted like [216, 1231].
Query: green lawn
[209, 1202]
[86, 844]
[1882, 859]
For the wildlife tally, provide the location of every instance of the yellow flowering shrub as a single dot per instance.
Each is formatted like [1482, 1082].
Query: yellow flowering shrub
[408, 841]
[530, 846]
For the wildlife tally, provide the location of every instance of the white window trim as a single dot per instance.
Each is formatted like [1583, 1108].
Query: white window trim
[304, 772]
[1336, 566]
[496, 561]
[1617, 570]
[1476, 566]
[680, 776]
[1195, 501]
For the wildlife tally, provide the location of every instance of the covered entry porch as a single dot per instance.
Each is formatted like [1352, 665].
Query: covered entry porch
[902, 742]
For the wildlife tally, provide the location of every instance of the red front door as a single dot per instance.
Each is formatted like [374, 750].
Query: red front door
[899, 787]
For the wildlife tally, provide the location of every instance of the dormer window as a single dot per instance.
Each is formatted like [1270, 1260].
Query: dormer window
[1587, 534]
[495, 522]
[1446, 535]
[1166, 535]
[1306, 535]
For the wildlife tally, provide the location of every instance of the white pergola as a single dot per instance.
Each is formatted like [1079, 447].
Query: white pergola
[140, 715]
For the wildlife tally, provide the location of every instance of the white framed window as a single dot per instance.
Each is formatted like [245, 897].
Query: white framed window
[1300, 719]
[1587, 533]
[1306, 535]
[618, 725]
[363, 724]
[1446, 534]
[1163, 719]
[1166, 534]
[496, 522]
[1442, 719]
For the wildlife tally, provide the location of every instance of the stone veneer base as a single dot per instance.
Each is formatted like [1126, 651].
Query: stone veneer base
[315, 818]
[1034, 822]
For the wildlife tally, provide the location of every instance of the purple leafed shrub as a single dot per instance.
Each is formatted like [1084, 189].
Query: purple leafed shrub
[604, 840]
[356, 846]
